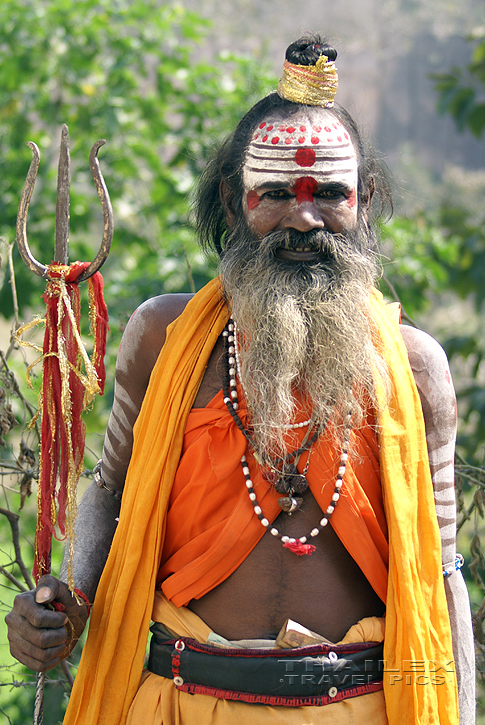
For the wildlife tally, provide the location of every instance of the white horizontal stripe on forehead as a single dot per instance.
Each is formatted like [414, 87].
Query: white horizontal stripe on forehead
[300, 147]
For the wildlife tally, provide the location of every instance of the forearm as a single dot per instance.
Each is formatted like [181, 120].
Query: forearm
[95, 528]
[463, 645]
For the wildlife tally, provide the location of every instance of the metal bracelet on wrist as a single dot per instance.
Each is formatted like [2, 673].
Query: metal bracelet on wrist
[99, 480]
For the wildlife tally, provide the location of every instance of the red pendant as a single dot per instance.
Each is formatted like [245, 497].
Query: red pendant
[296, 547]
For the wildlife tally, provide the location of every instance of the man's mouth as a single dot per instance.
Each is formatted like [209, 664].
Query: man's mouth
[302, 254]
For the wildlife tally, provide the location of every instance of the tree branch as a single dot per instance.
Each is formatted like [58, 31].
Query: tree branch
[13, 520]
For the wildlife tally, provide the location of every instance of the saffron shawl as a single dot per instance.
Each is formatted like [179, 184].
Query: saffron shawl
[417, 626]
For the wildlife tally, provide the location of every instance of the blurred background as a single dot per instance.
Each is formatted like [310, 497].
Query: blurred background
[162, 83]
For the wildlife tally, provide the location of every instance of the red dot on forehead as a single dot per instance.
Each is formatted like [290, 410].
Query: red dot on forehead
[305, 157]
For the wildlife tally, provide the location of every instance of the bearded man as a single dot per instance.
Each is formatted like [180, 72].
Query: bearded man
[289, 438]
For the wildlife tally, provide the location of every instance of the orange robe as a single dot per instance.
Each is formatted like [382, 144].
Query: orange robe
[211, 525]
[417, 622]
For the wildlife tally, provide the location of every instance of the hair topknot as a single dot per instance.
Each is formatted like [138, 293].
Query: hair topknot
[308, 49]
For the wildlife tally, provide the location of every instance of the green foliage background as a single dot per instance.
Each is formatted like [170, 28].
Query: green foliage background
[134, 72]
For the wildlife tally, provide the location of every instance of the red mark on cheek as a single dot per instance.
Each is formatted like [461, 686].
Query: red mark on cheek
[352, 198]
[305, 188]
[253, 200]
[305, 157]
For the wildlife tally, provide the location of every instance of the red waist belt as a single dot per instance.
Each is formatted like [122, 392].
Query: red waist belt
[311, 675]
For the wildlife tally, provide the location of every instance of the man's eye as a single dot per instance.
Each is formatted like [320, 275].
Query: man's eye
[330, 193]
[277, 194]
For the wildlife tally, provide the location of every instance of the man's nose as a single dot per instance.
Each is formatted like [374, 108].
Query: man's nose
[304, 217]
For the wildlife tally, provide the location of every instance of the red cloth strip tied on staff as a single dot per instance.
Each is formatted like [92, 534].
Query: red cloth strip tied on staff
[70, 381]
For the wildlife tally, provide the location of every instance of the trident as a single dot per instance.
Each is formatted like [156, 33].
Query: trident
[61, 257]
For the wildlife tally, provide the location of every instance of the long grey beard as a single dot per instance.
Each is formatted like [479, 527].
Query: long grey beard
[305, 328]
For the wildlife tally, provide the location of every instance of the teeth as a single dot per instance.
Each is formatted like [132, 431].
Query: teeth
[300, 249]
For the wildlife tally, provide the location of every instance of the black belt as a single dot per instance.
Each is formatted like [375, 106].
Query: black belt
[311, 675]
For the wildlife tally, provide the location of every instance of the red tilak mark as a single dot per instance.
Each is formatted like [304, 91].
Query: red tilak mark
[275, 139]
[315, 139]
[447, 376]
[253, 200]
[352, 198]
[304, 188]
[305, 157]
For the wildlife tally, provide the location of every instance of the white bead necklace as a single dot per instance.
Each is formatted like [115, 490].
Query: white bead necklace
[298, 546]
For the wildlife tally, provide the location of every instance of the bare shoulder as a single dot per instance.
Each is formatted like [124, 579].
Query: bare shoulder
[431, 371]
[425, 353]
[142, 341]
[146, 330]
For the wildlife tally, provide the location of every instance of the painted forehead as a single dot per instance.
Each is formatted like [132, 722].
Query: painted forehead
[320, 147]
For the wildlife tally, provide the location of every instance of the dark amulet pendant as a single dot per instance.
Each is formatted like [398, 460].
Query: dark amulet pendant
[290, 504]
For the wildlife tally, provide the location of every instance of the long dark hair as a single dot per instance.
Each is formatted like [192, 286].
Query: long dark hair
[227, 162]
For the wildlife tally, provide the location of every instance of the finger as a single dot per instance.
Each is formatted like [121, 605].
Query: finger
[37, 615]
[39, 650]
[38, 660]
[21, 630]
[50, 589]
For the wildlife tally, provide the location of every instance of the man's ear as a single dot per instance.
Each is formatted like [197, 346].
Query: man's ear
[366, 197]
[227, 200]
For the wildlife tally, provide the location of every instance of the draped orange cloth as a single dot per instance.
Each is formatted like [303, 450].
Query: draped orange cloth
[417, 622]
[211, 526]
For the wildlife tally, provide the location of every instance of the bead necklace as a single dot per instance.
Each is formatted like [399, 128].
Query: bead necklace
[298, 546]
[283, 472]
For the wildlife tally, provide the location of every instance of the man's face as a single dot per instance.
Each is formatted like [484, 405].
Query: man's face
[300, 174]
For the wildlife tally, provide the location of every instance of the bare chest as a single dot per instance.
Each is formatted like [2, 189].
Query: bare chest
[326, 592]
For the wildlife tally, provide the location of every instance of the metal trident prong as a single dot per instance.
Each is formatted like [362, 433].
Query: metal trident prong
[61, 249]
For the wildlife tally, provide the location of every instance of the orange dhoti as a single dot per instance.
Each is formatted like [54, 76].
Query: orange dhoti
[159, 702]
